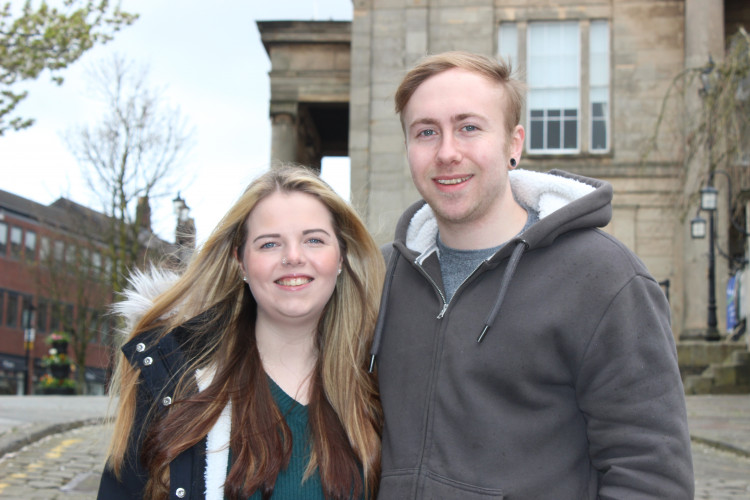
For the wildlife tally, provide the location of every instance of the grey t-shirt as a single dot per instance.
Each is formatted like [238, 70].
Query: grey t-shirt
[457, 265]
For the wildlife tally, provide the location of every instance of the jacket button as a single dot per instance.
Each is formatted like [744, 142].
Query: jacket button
[166, 401]
[147, 361]
[180, 492]
[140, 347]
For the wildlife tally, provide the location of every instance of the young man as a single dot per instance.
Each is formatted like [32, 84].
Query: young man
[521, 351]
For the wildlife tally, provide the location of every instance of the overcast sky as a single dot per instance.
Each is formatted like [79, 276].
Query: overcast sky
[207, 58]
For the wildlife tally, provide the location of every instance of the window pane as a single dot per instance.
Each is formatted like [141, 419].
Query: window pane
[553, 134]
[553, 69]
[30, 252]
[55, 317]
[571, 134]
[68, 317]
[11, 313]
[59, 250]
[41, 315]
[599, 135]
[70, 255]
[3, 238]
[16, 236]
[44, 249]
[536, 136]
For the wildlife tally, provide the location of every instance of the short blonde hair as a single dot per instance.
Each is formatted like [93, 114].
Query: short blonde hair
[494, 70]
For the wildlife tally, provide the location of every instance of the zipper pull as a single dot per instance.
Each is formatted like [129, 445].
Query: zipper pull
[442, 312]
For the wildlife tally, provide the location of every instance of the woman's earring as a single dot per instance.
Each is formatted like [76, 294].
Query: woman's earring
[339, 271]
[512, 163]
[244, 278]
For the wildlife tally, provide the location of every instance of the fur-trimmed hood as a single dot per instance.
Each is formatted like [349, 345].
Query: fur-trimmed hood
[138, 298]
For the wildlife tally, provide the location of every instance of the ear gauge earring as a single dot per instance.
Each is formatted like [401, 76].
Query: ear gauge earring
[512, 163]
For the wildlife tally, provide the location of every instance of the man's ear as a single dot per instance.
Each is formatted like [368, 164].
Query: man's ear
[516, 142]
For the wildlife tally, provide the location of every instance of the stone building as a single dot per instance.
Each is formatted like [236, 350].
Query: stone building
[597, 72]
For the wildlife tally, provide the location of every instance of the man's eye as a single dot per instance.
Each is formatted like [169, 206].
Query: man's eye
[470, 128]
[427, 133]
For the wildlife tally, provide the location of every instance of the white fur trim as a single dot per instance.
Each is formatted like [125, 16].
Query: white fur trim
[139, 297]
[545, 192]
[217, 442]
[422, 231]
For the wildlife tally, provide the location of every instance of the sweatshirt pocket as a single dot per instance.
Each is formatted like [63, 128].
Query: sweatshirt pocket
[439, 487]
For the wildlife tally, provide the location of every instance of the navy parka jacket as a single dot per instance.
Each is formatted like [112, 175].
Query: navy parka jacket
[161, 364]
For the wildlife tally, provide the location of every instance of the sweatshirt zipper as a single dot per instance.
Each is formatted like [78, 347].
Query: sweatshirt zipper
[446, 303]
[436, 287]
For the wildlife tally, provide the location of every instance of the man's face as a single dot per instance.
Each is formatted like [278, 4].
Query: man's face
[458, 147]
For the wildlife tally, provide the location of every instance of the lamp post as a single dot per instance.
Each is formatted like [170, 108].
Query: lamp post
[698, 231]
[185, 230]
[28, 339]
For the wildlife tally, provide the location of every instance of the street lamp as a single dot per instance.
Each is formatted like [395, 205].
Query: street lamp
[181, 210]
[709, 203]
[28, 340]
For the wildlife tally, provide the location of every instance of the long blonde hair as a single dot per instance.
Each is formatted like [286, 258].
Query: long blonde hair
[345, 414]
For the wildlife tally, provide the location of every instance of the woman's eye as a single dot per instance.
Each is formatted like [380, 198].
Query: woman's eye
[315, 241]
[427, 133]
[269, 244]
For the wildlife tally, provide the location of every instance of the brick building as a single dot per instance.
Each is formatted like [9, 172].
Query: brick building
[54, 258]
[597, 72]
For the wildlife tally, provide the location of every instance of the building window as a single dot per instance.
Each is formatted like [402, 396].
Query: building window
[44, 249]
[41, 315]
[59, 251]
[55, 317]
[553, 62]
[16, 237]
[599, 86]
[30, 244]
[3, 239]
[70, 255]
[68, 317]
[11, 314]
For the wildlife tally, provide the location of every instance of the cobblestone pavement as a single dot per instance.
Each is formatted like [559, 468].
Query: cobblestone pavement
[720, 475]
[61, 466]
[67, 466]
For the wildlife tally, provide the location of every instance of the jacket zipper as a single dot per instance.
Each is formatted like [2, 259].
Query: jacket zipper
[446, 303]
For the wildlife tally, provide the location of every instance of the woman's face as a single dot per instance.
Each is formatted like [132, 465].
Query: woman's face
[291, 257]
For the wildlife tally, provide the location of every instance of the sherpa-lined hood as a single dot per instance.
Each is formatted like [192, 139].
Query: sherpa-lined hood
[564, 201]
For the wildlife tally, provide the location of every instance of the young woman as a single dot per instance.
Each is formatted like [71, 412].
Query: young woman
[247, 377]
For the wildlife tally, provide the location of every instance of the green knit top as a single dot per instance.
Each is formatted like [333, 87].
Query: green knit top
[289, 485]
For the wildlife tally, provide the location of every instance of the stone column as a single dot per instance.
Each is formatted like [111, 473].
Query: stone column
[283, 137]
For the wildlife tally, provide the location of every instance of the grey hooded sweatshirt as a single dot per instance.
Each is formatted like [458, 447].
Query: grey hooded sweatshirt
[551, 373]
